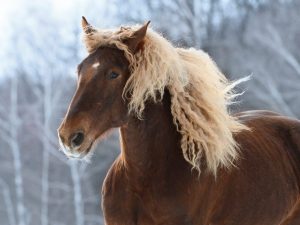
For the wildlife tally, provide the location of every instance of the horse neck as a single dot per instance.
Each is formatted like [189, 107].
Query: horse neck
[152, 145]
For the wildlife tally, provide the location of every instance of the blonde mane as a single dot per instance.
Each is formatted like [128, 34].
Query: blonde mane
[200, 93]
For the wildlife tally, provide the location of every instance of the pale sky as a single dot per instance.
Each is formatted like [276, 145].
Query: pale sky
[11, 12]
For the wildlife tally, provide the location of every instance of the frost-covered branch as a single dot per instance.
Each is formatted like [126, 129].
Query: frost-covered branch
[78, 202]
[8, 203]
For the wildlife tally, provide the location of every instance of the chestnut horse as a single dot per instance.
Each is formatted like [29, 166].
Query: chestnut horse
[185, 160]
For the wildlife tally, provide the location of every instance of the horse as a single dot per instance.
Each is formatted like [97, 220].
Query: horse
[185, 159]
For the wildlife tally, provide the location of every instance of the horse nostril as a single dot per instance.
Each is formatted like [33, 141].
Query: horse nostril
[77, 139]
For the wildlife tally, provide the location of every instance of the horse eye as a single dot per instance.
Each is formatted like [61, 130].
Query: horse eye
[113, 75]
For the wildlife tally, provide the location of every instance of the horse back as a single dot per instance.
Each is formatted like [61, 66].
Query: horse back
[275, 135]
[268, 170]
[264, 185]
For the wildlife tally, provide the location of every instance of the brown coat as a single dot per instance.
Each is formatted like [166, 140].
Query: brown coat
[151, 183]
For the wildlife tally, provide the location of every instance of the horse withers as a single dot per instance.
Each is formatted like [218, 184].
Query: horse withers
[184, 158]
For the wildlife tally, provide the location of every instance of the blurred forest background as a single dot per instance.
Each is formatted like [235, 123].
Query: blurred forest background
[40, 48]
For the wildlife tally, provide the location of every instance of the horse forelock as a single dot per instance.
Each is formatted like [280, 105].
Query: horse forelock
[200, 93]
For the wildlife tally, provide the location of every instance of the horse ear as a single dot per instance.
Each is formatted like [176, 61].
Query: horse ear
[86, 27]
[135, 42]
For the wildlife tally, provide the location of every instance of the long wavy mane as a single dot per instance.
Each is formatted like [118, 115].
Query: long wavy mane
[200, 93]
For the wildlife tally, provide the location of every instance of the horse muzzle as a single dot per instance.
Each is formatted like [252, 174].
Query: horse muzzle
[74, 144]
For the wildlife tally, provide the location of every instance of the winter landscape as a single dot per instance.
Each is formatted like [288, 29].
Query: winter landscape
[41, 47]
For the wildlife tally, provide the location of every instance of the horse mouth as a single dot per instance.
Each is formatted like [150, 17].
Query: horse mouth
[82, 152]
[84, 155]
[77, 154]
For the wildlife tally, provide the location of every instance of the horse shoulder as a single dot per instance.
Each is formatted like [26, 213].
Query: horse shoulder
[117, 200]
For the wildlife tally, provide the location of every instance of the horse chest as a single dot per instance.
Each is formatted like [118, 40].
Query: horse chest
[135, 211]
[124, 205]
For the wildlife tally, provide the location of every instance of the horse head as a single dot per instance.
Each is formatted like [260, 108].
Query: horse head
[98, 104]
